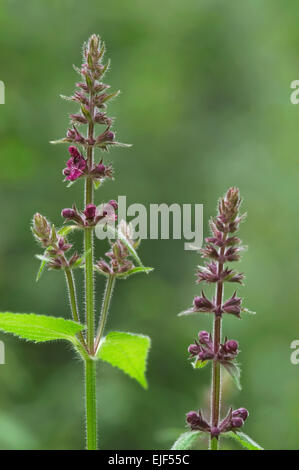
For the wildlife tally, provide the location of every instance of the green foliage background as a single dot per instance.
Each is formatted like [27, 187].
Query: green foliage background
[205, 101]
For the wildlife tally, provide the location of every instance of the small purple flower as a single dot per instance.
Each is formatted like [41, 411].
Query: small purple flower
[75, 166]
[231, 346]
[113, 204]
[233, 420]
[202, 304]
[194, 349]
[241, 413]
[67, 213]
[233, 305]
[205, 338]
[90, 211]
[197, 422]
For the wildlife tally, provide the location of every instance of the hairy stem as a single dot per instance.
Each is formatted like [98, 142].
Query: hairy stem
[105, 309]
[216, 373]
[91, 405]
[73, 301]
[90, 365]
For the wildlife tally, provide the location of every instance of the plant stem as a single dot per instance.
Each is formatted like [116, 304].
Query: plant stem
[91, 405]
[73, 300]
[90, 365]
[105, 309]
[216, 373]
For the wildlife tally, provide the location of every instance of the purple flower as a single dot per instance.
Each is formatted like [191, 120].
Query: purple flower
[233, 305]
[197, 422]
[202, 304]
[75, 166]
[67, 213]
[231, 346]
[241, 413]
[234, 419]
[90, 211]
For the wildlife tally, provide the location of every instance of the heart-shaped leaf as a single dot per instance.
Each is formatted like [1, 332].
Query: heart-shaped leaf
[128, 352]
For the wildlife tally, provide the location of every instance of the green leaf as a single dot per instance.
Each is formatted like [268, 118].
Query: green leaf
[43, 258]
[234, 371]
[244, 440]
[128, 352]
[42, 265]
[199, 364]
[80, 260]
[39, 328]
[66, 229]
[186, 440]
[96, 184]
[139, 269]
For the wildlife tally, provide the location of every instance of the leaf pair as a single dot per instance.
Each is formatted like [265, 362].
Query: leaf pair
[187, 440]
[126, 351]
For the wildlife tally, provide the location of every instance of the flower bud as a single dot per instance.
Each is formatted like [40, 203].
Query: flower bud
[237, 422]
[90, 211]
[231, 346]
[241, 413]
[194, 349]
[113, 204]
[68, 213]
[196, 421]
[204, 337]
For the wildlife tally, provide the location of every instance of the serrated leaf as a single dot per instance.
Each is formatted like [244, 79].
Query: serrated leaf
[128, 352]
[39, 328]
[234, 371]
[244, 440]
[139, 269]
[186, 440]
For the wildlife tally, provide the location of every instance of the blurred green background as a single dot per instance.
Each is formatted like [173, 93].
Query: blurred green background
[206, 102]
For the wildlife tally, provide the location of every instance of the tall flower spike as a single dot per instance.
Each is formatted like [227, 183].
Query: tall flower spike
[92, 96]
[222, 247]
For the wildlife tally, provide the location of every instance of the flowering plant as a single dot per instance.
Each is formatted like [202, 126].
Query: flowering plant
[126, 351]
[222, 247]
